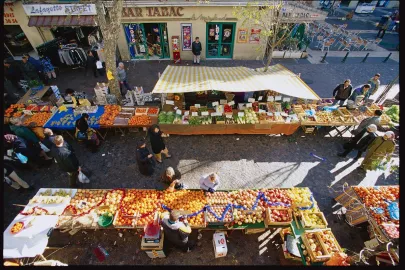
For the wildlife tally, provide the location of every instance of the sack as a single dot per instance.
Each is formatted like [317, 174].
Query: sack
[81, 135]
[22, 158]
[83, 178]
[43, 147]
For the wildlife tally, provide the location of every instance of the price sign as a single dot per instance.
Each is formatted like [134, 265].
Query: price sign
[178, 112]
[260, 98]
[194, 114]
[248, 105]
[270, 98]
[204, 113]
[215, 103]
[288, 120]
[176, 108]
[229, 116]
[197, 105]
[286, 99]
[222, 101]
[277, 113]
[215, 114]
[170, 102]
[278, 97]
[241, 114]
[283, 114]
[261, 111]
[231, 103]
[251, 100]
[270, 114]
[186, 113]
[27, 112]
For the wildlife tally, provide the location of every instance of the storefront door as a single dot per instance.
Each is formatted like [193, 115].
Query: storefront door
[220, 40]
[147, 40]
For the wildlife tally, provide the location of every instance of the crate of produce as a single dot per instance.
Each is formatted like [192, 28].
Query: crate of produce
[248, 216]
[153, 111]
[385, 119]
[313, 220]
[373, 107]
[278, 216]
[328, 240]
[307, 120]
[130, 110]
[218, 198]
[218, 210]
[314, 248]
[141, 111]
[118, 121]
[323, 117]
[124, 115]
[193, 109]
[344, 111]
[220, 120]
[125, 222]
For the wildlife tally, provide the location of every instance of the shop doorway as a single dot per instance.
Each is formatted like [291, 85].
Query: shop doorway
[15, 40]
[220, 40]
[147, 40]
[77, 35]
[345, 3]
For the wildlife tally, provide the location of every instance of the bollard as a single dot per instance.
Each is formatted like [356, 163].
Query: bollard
[388, 57]
[344, 58]
[324, 57]
[365, 58]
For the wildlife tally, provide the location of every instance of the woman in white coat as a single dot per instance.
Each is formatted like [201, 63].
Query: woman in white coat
[209, 182]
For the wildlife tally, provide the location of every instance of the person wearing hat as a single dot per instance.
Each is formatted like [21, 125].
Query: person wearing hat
[342, 92]
[361, 91]
[144, 159]
[368, 121]
[209, 182]
[29, 71]
[360, 142]
[375, 83]
[381, 148]
[177, 231]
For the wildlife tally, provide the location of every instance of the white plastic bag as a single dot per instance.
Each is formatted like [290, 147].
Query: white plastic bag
[83, 178]
[43, 147]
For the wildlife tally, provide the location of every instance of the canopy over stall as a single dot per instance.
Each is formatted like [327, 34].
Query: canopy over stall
[183, 79]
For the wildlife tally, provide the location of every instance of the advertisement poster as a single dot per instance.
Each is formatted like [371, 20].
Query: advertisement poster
[254, 36]
[186, 36]
[242, 35]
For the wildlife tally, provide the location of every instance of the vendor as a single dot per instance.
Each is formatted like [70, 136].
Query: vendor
[209, 182]
[177, 232]
[69, 98]
[170, 178]
[86, 133]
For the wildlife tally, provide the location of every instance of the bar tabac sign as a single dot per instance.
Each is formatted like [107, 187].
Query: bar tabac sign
[137, 12]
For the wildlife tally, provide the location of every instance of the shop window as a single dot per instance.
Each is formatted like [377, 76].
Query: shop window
[16, 41]
[220, 40]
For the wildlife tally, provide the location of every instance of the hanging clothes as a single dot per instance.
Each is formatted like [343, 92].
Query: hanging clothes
[72, 56]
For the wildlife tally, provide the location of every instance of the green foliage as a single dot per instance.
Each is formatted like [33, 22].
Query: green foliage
[34, 83]
[393, 113]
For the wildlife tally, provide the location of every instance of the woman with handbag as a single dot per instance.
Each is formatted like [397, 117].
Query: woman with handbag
[85, 133]
[144, 159]
[24, 152]
[157, 143]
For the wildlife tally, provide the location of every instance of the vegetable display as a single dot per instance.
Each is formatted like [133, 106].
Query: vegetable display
[393, 113]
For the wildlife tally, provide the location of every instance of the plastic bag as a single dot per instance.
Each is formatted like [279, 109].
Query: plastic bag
[22, 158]
[393, 210]
[83, 178]
[43, 147]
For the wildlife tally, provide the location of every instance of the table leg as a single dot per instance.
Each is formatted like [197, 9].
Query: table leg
[99, 133]
[68, 133]
[42, 257]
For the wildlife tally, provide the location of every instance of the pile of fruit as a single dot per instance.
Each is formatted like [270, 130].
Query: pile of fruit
[218, 197]
[392, 230]
[323, 117]
[227, 109]
[15, 110]
[315, 245]
[60, 192]
[248, 216]
[279, 215]
[84, 199]
[17, 227]
[251, 117]
[277, 195]
[140, 120]
[301, 197]
[47, 199]
[245, 198]
[153, 111]
[219, 210]
[141, 111]
[39, 118]
[110, 112]
[313, 220]
[187, 200]
[329, 241]
[113, 200]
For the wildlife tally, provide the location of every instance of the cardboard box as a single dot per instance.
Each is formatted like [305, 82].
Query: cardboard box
[219, 242]
[155, 254]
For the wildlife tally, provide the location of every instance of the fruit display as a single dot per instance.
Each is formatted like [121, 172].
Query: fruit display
[218, 197]
[187, 200]
[314, 247]
[219, 210]
[323, 117]
[251, 117]
[245, 198]
[228, 109]
[344, 112]
[140, 120]
[48, 199]
[277, 195]
[329, 241]
[113, 200]
[385, 119]
[248, 216]
[15, 110]
[39, 118]
[313, 220]
[392, 230]
[84, 199]
[301, 197]
[141, 111]
[110, 112]
[279, 215]
[393, 113]
[206, 120]
[17, 227]
[194, 120]
[153, 111]
[255, 106]
[121, 221]
[59, 192]
[336, 117]
[374, 107]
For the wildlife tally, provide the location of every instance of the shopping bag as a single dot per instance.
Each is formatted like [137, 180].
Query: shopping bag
[22, 158]
[43, 147]
[81, 136]
[83, 178]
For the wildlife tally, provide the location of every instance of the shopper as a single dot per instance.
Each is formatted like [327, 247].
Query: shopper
[381, 148]
[29, 71]
[361, 91]
[36, 63]
[360, 142]
[177, 232]
[144, 159]
[196, 49]
[170, 178]
[91, 64]
[47, 67]
[85, 133]
[20, 146]
[384, 27]
[122, 78]
[368, 121]
[100, 68]
[342, 92]
[157, 143]
[209, 182]
[66, 159]
[374, 83]
[13, 73]
[11, 178]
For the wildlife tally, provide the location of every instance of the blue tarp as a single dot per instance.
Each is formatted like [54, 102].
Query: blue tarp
[59, 115]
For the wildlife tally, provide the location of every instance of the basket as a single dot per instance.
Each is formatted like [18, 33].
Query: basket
[105, 221]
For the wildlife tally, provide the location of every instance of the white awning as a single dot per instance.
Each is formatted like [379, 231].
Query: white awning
[183, 79]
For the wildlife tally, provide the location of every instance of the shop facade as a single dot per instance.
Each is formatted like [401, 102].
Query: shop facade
[151, 31]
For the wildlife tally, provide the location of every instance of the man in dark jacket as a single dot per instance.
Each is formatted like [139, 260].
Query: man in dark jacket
[36, 63]
[13, 73]
[375, 120]
[342, 92]
[360, 142]
[29, 71]
[91, 63]
[196, 49]
[361, 91]
[176, 231]
[66, 159]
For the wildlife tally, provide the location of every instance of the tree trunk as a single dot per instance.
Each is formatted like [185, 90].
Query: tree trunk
[269, 58]
[110, 30]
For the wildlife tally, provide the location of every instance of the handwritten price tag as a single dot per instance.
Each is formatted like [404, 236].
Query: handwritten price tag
[241, 114]
[286, 99]
[222, 101]
[270, 98]
[248, 105]
[229, 116]
[277, 114]
[278, 97]
[197, 105]
[270, 114]
[231, 103]
[261, 111]
[178, 112]
[170, 102]
[260, 98]
[204, 113]
[251, 100]
[186, 113]
[194, 114]
[215, 103]
[176, 108]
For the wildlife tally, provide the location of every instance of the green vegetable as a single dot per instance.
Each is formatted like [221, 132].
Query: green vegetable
[393, 113]
[194, 120]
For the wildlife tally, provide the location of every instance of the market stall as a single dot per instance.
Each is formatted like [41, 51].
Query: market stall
[293, 210]
[44, 96]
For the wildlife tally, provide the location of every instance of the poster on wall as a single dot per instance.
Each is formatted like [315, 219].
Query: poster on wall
[254, 36]
[186, 36]
[242, 35]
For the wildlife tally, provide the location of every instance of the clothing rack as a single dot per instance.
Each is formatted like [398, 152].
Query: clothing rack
[50, 50]
[72, 55]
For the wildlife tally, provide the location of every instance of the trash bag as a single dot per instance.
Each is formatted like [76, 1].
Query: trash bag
[83, 178]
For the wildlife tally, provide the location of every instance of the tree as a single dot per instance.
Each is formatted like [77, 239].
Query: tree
[268, 16]
[110, 26]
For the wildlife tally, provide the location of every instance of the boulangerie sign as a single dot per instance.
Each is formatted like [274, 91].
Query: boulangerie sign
[63, 10]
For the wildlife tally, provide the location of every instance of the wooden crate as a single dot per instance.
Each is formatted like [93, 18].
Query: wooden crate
[356, 217]
[328, 230]
[308, 129]
[282, 223]
[312, 226]
[253, 231]
[134, 221]
[312, 255]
